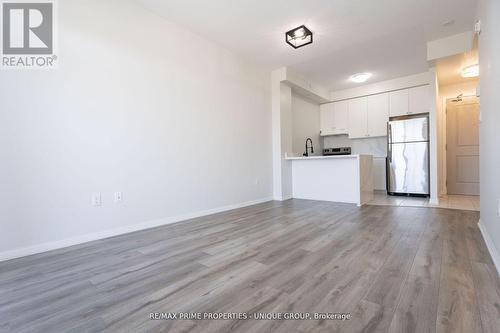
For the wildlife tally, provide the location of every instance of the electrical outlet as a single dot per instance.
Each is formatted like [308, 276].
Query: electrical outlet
[118, 197]
[96, 199]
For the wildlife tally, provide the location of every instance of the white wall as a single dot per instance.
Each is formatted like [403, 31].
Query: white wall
[138, 105]
[489, 62]
[449, 46]
[305, 124]
[433, 138]
[371, 146]
[467, 88]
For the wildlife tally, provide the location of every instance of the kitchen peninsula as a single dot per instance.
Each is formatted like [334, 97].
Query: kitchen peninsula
[347, 178]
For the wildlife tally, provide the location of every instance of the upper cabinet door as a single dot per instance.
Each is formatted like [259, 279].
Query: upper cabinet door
[419, 100]
[398, 103]
[334, 118]
[358, 118]
[341, 117]
[326, 118]
[378, 114]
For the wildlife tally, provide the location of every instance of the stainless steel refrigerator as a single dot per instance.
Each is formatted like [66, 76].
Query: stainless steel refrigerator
[408, 155]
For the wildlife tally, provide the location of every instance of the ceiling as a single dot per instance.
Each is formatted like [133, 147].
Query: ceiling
[385, 37]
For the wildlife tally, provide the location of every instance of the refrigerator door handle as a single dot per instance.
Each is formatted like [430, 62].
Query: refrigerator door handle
[389, 132]
[389, 142]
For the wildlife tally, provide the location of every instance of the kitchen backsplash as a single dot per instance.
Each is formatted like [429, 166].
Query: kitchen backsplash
[371, 146]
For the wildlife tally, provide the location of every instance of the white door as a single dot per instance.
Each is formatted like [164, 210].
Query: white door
[398, 103]
[462, 140]
[341, 117]
[419, 100]
[358, 118]
[378, 114]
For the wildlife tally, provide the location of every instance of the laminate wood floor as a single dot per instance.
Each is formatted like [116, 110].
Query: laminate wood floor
[394, 269]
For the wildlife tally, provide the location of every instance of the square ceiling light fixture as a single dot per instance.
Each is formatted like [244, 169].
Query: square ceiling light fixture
[298, 37]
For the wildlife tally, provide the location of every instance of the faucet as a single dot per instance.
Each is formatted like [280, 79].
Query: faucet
[307, 147]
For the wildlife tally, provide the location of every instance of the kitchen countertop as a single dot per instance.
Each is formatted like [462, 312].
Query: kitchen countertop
[322, 157]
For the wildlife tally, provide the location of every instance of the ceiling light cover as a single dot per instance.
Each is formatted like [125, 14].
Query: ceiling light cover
[360, 77]
[298, 37]
[470, 71]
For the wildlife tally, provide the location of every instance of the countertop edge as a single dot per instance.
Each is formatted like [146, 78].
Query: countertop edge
[303, 158]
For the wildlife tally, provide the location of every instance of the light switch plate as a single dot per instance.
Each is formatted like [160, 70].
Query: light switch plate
[477, 27]
[96, 199]
[118, 197]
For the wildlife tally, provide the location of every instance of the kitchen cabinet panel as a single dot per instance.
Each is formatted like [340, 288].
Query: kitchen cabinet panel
[398, 103]
[358, 118]
[326, 118]
[334, 118]
[419, 100]
[378, 114]
[341, 117]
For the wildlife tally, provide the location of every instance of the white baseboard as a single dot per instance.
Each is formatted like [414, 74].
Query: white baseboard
[495, 254]
[49, 246]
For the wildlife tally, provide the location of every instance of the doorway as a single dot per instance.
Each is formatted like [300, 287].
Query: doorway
[462, 146]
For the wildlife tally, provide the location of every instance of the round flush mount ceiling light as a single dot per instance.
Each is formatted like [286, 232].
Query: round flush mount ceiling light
[360, 77]
[470, 71]
[298, 37]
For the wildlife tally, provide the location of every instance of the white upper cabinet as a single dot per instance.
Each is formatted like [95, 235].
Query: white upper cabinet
[358, 118]
[410, 101]
[419, 100]
[341, 116]
[326, 118]
[368, 116]
[398, 103]
[334, 118]
[378, 114]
